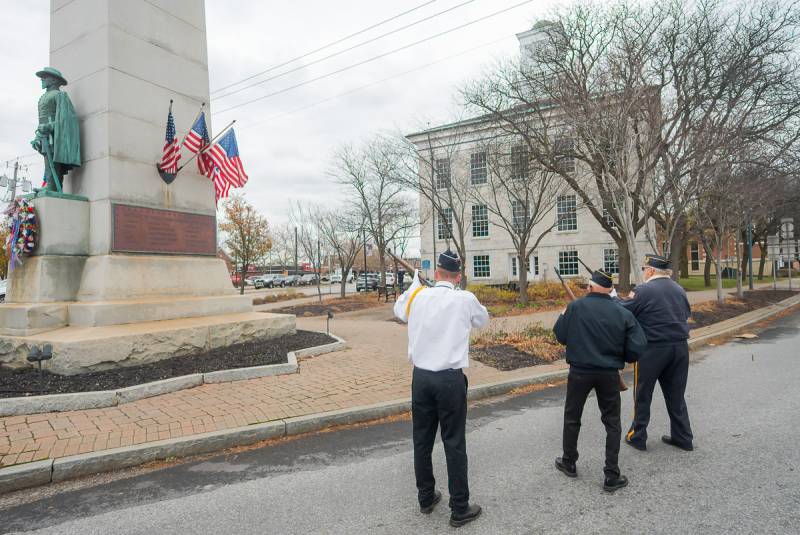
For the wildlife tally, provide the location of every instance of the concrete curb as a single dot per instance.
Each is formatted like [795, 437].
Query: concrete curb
[43, 472]
[111, 398]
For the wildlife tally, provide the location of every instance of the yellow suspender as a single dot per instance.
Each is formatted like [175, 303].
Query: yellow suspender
[411, 300]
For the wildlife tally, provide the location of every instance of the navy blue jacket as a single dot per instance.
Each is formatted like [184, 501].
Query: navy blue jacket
[662, 309]
[600, 335]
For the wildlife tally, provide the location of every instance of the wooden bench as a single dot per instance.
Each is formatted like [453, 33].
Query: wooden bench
[386, 291]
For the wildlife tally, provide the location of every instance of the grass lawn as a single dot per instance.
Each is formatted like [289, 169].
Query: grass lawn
[695, 284]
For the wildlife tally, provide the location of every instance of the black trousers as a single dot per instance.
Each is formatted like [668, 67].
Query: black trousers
[667, 364]
[440, 399]
[606, 387]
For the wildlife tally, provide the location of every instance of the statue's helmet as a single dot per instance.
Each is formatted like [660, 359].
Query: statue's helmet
[55, 73]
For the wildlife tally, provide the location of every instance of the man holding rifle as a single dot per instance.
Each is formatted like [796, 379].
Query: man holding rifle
[439, 319]
[601, 336]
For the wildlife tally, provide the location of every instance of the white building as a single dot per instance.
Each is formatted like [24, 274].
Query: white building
[458, 152]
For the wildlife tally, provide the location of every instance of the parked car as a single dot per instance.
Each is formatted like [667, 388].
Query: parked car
[370, 283]
[291, 280]
[336, 278]
[308, 279]
[278, 281]
[251, 280]
[3, 286]
[267, 281]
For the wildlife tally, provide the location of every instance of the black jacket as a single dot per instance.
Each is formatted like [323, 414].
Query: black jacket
[600, 335]
[662, 309]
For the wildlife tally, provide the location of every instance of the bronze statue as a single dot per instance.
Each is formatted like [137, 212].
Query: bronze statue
[57, 136]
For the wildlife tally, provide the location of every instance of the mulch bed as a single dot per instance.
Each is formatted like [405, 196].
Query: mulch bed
[506, 357]
[706, 314]
[26, 382]
[337, 306]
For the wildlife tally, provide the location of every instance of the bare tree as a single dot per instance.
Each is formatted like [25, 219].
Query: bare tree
[650, 97]
[341, 232]
[311, 241]
[370, 173]
[282, 252]
[520, 195]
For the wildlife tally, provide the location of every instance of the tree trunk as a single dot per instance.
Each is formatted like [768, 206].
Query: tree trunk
[707, 272]
[718, 263]
[241, 279]
[624, 266]
[677, 251]
[522, 270]
[739, 287]
[762, 263]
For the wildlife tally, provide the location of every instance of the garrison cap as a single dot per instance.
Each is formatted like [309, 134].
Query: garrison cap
[55, 73]
[601, 278]
[657, 261]
[449, 261]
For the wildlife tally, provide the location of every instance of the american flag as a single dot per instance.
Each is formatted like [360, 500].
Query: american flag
[225, 157]
[196, 140]
[222, 188]
[172, 152]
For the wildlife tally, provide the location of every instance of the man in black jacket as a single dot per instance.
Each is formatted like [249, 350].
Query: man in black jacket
[661, 307]
[601, 336]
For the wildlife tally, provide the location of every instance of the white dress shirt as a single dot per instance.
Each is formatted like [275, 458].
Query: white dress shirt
[439, 322]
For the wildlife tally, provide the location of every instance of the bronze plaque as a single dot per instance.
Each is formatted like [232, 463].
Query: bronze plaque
[150, 230]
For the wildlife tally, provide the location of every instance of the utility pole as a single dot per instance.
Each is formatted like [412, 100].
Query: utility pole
[364, 236]
[295, 250]
[433, 195]
[750, 255]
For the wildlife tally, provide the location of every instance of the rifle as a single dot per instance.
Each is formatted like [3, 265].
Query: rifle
[622, 386]
[409, 268]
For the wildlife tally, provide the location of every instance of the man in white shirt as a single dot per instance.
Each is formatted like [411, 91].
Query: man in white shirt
[439, 322]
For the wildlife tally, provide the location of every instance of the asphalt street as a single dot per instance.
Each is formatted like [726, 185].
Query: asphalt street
[743, 477]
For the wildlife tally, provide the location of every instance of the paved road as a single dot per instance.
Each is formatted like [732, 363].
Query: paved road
[743, 477]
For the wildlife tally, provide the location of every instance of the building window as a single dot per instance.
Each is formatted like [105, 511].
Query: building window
[477, 168]
[566, 212]
[609, 220]
[611, 261]
[565, 160]
[536, 264]
[442, 173]
[480, 266]
[519, 216]
[568, 262]
[445, 226]
[694, 253]
[519, 162]
[480, 221]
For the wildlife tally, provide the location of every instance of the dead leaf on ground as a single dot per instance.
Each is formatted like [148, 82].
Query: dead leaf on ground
[747, 336]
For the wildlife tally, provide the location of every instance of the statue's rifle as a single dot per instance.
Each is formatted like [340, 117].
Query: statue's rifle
[622, 386]
[408, 267]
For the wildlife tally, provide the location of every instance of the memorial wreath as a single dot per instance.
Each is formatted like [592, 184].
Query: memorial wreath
[23, 229]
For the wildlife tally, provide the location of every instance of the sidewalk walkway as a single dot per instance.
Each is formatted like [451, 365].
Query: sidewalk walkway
[375, 369]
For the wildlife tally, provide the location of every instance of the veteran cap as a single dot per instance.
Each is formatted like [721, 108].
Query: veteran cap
[449, 261]
[657, 261]
[601, 278]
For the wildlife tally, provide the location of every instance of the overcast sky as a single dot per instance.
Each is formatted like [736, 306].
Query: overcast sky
[286, 152]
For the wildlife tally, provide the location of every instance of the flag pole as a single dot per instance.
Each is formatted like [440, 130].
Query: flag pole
[206, 147]
[168, 177]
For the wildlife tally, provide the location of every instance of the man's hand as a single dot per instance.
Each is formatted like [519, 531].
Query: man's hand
[37, 145]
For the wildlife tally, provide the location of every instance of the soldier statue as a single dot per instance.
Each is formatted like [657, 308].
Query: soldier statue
[57, 137]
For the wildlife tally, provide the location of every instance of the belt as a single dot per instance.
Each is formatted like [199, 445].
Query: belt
[448, 370]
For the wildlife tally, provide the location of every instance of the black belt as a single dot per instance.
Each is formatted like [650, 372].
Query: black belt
[448, 370]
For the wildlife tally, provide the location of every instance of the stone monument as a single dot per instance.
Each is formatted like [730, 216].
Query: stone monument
[126, 270]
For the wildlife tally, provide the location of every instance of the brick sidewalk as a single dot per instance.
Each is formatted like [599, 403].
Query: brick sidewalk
[375, 369]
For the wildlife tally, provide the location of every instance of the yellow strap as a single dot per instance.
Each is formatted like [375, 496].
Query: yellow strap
[411, 300]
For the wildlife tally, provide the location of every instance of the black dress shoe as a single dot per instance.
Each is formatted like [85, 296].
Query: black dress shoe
[459, 519]
[428, 509]
[640, 447]
[612, 484]
[566, 468]
[666, 439]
